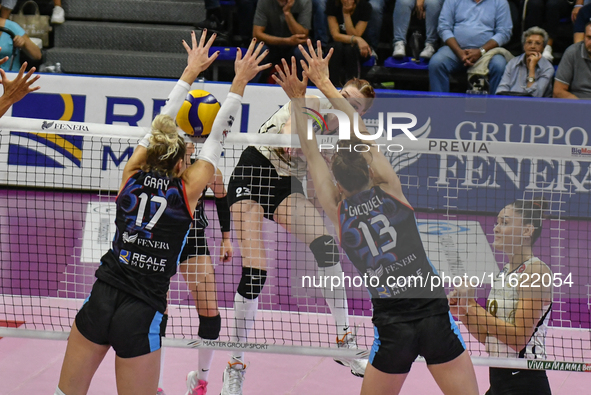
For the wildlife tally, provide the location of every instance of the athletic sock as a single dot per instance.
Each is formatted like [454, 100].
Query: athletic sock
[336, 298]
[245, 311]
[205, 358]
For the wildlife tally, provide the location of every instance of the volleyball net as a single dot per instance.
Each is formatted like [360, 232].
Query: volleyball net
[57, 203]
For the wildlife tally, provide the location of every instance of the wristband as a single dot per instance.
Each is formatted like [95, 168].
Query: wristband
[145, 141]
[352, 39]
[223, 213]
[578, 5]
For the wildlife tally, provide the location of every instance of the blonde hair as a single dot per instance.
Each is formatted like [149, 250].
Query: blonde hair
[166, 146]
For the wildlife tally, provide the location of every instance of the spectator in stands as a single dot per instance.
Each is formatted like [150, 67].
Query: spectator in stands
[374, 25]
[347, 21]
[583, 16]
[577, 8]
[470, 28]
[530, 73]
[21, 40]
[7, 7]
[425, 9]
[573, 77]
[282, 25]
[58, 16]
[546, 14]
[16, 89]
[214, 19]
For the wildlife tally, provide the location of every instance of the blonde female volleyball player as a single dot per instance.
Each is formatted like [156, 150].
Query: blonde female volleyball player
[378, 231]
[267, 183]
[154, 212]
[515, 320]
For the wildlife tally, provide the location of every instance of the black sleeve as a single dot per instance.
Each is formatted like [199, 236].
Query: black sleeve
[582, 19]
[332, 9]
[365, 9]
[223, 213]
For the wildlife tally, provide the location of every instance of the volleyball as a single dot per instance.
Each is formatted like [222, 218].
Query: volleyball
[197, 113]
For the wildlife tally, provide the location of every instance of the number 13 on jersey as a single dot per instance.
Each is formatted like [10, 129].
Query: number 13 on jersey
[386, 228]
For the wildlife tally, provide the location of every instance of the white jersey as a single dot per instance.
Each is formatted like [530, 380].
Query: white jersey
[502, 303]
[284, 164]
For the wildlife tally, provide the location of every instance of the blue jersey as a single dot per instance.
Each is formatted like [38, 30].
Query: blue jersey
[381, 238]
[153, 219]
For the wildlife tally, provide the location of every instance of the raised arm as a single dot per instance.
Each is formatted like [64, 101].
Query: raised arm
[198, 174]
[198, 60]
[326, 191]
[317, 70]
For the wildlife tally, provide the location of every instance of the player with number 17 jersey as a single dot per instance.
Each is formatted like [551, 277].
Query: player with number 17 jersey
[380, 236]
[153, 219]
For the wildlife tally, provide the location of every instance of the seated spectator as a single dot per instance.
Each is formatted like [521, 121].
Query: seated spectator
[469, 29]
[282, 25]
[577, 8]
[21, 40]
[214, 19]
[425, 9]
[347, 21]
[530, 73]
[546, 14]
[7, 7]
[583, 16]
[320, 22]
[573, 77]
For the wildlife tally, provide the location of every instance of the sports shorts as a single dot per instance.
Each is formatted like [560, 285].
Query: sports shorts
[195, 245]
[113, 317]
[397, 345]
[518, 382]
[255, 178]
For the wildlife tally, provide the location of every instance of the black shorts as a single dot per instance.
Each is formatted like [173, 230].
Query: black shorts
[113, 317]
[518, 382]
[255, 178]
[195, 245]
[396, 346]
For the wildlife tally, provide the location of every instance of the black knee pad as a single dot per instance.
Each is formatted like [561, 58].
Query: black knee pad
[209, 327]
[325, 251]
[252, 282]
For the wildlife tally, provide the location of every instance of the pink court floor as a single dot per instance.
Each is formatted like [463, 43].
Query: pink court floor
[31, 366]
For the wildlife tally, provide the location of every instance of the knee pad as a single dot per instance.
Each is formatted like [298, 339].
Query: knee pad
[252, 282]
[325, 251]
[209, 327]
[58, 392]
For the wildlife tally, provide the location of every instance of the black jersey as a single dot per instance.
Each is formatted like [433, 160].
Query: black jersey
[200, 220]
[381, 238]
[153, 219]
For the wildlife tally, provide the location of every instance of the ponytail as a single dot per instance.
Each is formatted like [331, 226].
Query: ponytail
[166, 146]
[349, 167]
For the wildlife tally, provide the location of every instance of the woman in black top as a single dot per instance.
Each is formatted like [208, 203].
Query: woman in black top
[347, 21]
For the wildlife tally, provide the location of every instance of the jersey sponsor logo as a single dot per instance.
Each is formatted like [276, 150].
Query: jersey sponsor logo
[134, 239]
[375, 273]
[142, 261]
[129, 239]
[401, 263]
